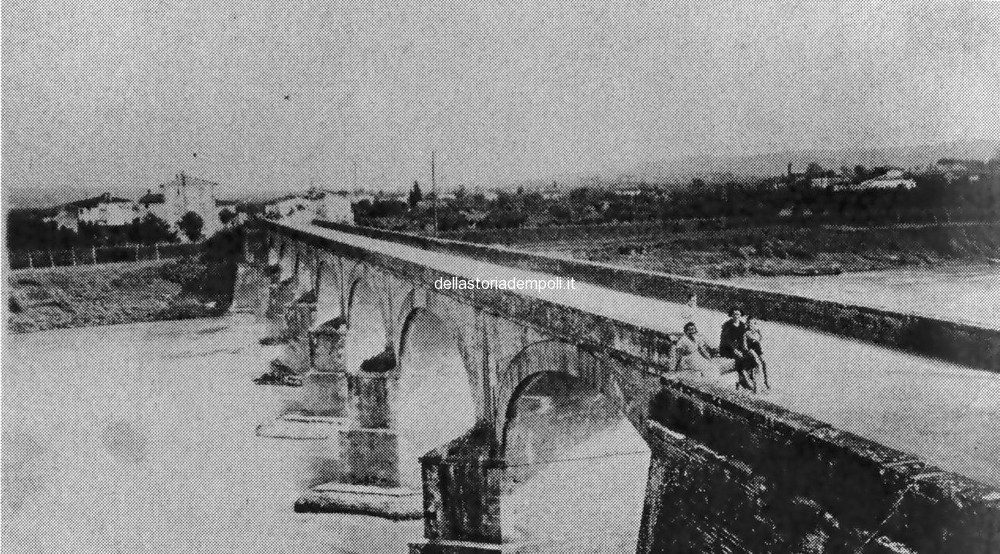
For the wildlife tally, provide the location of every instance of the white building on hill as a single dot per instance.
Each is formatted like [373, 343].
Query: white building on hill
[182, 195]
[100, 210]
[892, 179]
[314, 204]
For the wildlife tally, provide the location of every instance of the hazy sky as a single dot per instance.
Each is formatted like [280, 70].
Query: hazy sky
[127, 91]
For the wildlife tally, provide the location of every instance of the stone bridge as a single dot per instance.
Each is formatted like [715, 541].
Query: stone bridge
[533, 421]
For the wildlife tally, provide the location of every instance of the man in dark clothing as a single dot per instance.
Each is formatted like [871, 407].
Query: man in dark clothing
[731, 346]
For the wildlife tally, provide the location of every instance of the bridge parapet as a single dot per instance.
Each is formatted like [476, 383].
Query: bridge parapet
[725, 461]
[957, 342]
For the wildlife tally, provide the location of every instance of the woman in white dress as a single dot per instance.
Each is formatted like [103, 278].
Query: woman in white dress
[693, 354]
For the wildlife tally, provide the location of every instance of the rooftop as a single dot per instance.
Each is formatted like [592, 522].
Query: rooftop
[105, 198]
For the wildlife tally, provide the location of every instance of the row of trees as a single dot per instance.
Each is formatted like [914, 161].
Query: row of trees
[934, 197]
[28, 230]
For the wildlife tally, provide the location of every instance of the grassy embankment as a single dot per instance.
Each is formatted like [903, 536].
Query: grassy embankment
[785, 249]
[108, 294]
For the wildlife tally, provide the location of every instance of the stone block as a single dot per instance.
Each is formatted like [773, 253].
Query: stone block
[370, 457]
[327, 349]
[394, 503]
[326, 393]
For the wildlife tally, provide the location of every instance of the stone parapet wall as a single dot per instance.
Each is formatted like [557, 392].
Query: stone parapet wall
[737, 474]
[952, 341]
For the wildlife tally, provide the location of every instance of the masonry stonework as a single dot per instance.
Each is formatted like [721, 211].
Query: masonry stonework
[729, 473]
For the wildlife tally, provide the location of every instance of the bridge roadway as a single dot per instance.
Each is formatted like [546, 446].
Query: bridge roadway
[946, 413]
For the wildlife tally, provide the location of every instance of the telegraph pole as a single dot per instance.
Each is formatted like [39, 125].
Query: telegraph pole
[434, 192]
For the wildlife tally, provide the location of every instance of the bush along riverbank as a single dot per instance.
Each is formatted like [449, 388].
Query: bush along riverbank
[108, 294]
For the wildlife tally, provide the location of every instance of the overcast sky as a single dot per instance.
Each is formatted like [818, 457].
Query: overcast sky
[129, 91]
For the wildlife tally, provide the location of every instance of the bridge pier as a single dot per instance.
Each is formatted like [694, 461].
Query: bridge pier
[282, 293]
[298, 319]
[325, 386]
[374, 459]
[463, 486]
[326, 402]
[251, 291]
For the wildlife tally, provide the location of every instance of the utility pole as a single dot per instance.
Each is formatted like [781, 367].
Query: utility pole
[434, 192]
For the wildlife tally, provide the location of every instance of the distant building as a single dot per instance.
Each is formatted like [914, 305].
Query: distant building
[828, 181]
[100, 210]
[231, 205]
[630, 191]
[954, 170]
[892, 179]
[315, 204]
[182, 195]
[474, 217]
[552, 192]
[292, 206]
[336, 206]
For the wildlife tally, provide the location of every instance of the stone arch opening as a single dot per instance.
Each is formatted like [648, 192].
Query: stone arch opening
[366, 336]
[576, 464]
[327, 287]
[305, 277]
[287, 262]
[273, 251]
[435, 402]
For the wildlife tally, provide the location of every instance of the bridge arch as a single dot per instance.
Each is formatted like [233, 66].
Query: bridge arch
[286, 261]
[572, 448]
[367, 336]
[305, 271]
[433, 372]
[273, 252]
[329, 296]
[606, 375]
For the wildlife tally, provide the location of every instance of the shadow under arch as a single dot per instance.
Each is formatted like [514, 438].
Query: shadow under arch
[305, 276]
[607, 375]
[366, 330]
[273, 253]
[435, 401]
[286, 262]
[329, 305]
[572, 449]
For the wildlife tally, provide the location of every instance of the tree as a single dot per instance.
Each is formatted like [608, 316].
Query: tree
[226, 215]
[191, 225]
[814, 170]
[416, 195]
[151, 230]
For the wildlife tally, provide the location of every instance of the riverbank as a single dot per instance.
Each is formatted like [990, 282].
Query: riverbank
[780, 250]
[108, 294]
[956, 292]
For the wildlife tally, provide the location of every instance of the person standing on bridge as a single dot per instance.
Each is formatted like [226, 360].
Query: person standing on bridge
[731, 346]
[752, 346]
